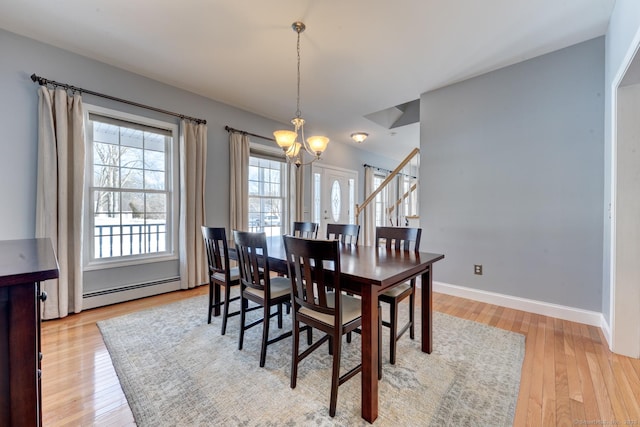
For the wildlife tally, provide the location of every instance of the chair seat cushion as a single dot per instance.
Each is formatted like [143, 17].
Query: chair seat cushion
[234, 274]
[280, 286]
[397, 290]
[351, 309]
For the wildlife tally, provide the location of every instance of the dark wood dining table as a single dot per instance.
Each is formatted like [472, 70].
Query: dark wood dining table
[367, 271]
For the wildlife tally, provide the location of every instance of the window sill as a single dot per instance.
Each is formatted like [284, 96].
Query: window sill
[126, 262]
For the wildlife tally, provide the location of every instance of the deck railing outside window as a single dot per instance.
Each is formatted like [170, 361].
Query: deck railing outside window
[114, 240]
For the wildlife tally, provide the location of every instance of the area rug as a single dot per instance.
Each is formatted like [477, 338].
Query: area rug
[177, 370]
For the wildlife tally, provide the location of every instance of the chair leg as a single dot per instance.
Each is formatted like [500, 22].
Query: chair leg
[294, 353]
[349, 337]
[335, 375]
[225, 313]
[393, 332]
[210, 300]
[265, 335]
[216, 299]
[280, 316]
[309, 335]
[243, 305]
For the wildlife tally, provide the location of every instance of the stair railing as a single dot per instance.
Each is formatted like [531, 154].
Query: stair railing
[361, 207]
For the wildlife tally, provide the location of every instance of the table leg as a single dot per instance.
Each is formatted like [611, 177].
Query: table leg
[427, 311]
[369, 353]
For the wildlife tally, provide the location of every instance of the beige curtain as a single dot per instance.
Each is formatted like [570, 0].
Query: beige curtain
[369, 224]
[239, 181]
[193, 160]
[59, 195]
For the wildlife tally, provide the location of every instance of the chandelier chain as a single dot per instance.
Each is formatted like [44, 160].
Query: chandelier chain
[298, 112]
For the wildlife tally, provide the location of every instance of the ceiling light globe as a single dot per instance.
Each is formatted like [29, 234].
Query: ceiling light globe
[285, 138]
[318, 144]
[293, 151]
[359, 136]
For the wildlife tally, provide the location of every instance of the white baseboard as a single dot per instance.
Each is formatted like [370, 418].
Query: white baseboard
[114, 296]
[592, 318]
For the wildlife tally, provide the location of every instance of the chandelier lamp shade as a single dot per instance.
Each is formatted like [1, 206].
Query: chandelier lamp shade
[293, 142]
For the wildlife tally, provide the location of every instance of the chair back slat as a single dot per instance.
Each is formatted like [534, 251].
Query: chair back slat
[308, 230]
[399, 238]
[345, 233]
[314, 265]
[216, 248]
[253, 260]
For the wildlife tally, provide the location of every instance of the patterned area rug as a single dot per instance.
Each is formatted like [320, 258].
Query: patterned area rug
[176, 370]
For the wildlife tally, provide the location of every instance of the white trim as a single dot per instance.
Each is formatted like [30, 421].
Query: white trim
[634, 48]
[606, 330]
[287, 190]
[270, 149]
[613, 212]
[321, 169]
[172, 253]
[126, 261]
[592, 318]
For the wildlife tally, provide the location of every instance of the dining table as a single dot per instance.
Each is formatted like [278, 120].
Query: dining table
[367, 271]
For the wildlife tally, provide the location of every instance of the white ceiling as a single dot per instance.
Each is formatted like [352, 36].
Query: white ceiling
[358, 56]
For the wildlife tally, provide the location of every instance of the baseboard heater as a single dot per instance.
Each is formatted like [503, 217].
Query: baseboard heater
[103, 292]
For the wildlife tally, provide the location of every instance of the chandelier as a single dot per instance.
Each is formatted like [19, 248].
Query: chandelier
[287, 139]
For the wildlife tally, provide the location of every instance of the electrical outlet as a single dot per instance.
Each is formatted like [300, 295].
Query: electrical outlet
[477, 269]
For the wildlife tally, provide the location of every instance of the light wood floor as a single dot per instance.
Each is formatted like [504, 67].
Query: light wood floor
[569, 377]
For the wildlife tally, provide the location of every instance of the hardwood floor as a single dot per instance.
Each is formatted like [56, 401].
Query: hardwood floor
[569, 377]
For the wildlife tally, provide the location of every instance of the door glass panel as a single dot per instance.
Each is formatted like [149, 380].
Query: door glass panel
[316, 197]
[335, 200]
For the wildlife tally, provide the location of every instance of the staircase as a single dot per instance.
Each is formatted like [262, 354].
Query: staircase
[392, 197]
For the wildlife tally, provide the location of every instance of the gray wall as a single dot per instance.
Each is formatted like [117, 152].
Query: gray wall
[18, 145]
[512, 178]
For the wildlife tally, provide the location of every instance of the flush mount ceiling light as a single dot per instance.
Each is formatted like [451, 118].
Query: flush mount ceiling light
[287, 139]
[359, 136]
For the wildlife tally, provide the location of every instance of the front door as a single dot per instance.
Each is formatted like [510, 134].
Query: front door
[334, 192]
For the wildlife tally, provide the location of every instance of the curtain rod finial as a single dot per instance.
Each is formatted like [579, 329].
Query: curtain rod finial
[37, 79]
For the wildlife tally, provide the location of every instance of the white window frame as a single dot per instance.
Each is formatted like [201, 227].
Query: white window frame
[287, 181]
[91, 263]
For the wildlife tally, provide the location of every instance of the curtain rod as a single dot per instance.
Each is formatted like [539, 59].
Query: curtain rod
[230, 129]
[386, 170]
[43, 82]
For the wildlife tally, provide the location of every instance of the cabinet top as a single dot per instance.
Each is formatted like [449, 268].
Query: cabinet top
[27, 260]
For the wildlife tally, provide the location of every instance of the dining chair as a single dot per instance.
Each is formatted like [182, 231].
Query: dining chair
[345, 233]
[314, 305]
[257, 286]
[220, 273]
[405, 239]
[307, 230]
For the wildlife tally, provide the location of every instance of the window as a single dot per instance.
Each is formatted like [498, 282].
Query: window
[352, 201]
[130, 198]
[410, 201]
[316, 197]
[380, 201]
[268, 201]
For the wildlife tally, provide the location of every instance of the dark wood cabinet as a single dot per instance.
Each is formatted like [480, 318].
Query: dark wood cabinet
[23, 265]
